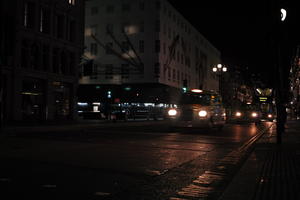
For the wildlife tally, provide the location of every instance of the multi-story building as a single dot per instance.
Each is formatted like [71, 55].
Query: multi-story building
[41, 46]
[145, 43]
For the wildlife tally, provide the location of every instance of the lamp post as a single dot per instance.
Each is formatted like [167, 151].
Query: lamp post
[219, 69]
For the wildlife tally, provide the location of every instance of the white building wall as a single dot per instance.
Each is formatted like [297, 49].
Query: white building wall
[171, 23]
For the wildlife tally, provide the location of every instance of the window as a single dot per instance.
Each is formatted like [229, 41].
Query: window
[72, 64]
[157, 26]
[157, 5]
[108, 71]
[142, 27]
[174, 75]
[94, 49]
[29, 15]
[110, 9]
[125, 46]
[142, 5]
[94, 29]
[72, 2]
[164, 48]
[44, 20]
[109, 28]
[156, 70]
[60, 26]
[109, 47]
[157, 46]
[141, 46]
[126, 7]
[46, 58]
[94, 10]
[125, 70]
[72, 30]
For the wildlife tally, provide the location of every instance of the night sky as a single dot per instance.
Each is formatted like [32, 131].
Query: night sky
[241, 30]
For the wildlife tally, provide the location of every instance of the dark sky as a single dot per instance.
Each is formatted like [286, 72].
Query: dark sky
[241, 30]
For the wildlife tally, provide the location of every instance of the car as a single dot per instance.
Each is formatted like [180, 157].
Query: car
[198, 108]
[245, 113]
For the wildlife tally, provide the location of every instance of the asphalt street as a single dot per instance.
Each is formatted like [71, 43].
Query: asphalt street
[123, 161]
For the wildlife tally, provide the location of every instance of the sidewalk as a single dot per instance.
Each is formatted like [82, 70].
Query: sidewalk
[272, 171]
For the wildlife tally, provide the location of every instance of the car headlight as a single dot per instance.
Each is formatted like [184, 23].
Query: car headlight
[238, 114]
[172, 112]
[270, 115]
[254, 114]
[202, 113]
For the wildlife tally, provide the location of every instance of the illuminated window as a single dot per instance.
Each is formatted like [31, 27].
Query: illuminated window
[72, 2]
[29, 15]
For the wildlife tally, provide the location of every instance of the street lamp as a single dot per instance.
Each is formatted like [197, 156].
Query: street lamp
[219, 69]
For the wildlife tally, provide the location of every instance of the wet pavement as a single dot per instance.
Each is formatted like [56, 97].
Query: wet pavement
[144, 162]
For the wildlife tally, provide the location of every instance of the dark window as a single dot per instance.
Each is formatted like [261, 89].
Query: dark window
[202, 99]
[25, 54]
[34, 57]
[125, 70]
[109, 28]
[94, 49]
[72, 62]
[157, 26]
[125, 46]
[142, 5]
[157, 46]
[110, 9]
[126, 7]
[141, 46]
[109, 71]
[142, 27]
[46, 58]
[60, 26]
[109, 47]
[94, 10]
[157, 5]
[72, 31]
[55, 60]
[156, 70]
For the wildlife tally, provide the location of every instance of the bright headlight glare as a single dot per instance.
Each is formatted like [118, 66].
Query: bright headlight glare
[238, 114]
[270, 116]
[172, 112]
[202, 113]
[254, 114]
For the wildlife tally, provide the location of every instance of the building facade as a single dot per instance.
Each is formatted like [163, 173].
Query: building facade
[41, 46]
[145, 42]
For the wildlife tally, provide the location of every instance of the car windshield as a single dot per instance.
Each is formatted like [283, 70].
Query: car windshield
[195, 98]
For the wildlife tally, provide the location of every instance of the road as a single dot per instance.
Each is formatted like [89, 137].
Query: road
[124, 161]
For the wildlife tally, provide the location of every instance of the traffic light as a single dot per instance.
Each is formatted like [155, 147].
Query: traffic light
[109, 94]
[184, 88]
